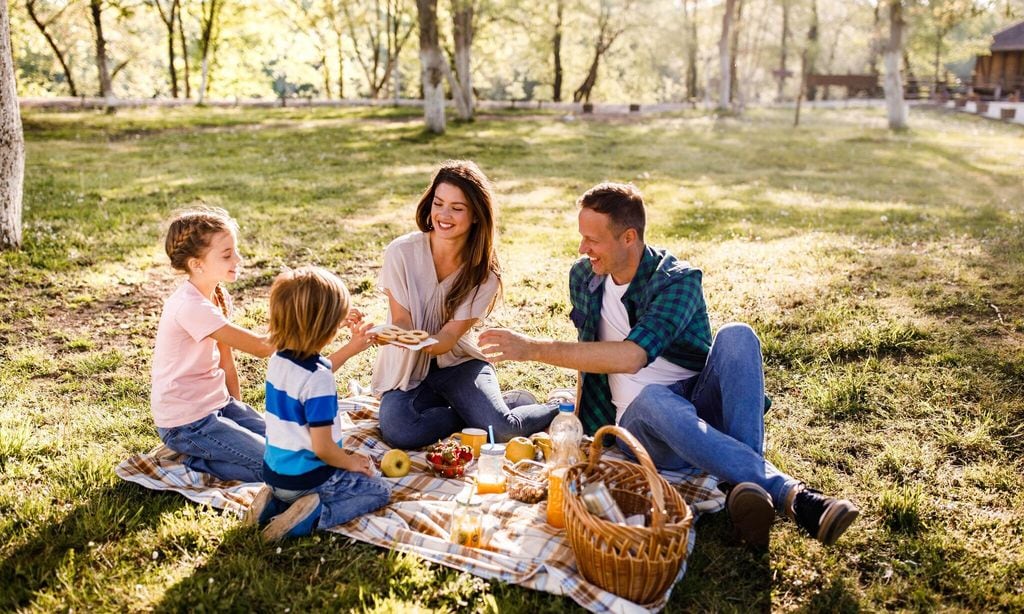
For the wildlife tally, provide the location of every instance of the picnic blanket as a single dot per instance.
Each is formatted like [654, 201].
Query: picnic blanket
[521, 547]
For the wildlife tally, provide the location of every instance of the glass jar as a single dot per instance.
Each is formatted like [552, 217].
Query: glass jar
[490, 475]
[467, 522]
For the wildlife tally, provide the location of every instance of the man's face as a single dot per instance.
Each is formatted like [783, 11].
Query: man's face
[607, 250]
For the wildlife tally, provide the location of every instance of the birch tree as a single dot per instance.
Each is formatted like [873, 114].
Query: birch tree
[209, 22]
[378, 31]
[12, 143]
[432, 66]
[169, 16]
[461, 81]
[892, 52]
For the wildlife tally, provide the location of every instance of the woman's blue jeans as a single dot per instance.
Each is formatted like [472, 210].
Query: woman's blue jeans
[451, 399]
[714, 421]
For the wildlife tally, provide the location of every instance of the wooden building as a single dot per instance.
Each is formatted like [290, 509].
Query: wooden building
[1001, 73]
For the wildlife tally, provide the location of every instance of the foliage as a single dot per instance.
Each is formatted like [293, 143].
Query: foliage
[311, 44]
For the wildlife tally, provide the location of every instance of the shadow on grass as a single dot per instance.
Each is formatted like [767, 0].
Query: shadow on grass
[48, 557]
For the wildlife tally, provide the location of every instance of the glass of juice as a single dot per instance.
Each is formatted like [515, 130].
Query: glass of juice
[556, 512]
[490, 474]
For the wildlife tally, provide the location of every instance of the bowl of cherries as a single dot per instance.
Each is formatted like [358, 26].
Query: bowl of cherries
[448, 458]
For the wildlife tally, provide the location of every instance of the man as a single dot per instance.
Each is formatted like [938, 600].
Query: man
[647, 362]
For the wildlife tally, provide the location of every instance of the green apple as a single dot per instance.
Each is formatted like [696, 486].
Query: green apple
[395, 464]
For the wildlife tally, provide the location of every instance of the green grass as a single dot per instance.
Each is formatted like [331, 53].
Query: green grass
[882, 271]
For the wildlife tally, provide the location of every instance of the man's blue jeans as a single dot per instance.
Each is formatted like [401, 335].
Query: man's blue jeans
[344, 496]
[714, 421]
[227, 444]
[451, 399]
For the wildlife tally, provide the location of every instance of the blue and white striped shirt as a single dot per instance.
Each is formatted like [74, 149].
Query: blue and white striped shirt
[300, 394]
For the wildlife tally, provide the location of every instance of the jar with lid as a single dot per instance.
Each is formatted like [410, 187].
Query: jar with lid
[467, 521]
[490, 475]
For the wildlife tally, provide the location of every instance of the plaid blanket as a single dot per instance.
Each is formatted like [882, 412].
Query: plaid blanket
[521, 548]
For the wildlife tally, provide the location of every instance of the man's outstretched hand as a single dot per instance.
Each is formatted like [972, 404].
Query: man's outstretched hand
[500, 344]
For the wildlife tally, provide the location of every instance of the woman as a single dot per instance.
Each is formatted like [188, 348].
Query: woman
[443, 279]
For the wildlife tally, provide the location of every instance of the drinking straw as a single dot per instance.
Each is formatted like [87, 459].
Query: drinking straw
[490, 432]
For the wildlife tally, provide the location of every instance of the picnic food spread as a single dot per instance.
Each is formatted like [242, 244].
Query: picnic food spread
[448, 458]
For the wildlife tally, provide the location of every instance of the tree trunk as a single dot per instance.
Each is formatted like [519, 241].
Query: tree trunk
[873, 60]
[725, 76]
[896, 108]
[783, 51]
[556, 43]
[207, 41]
[691, 52]
[462, 29]
[168, 19]
[184, 54]
[341, 68]
[431, 67]
[12, 143]
[205, 70]
[811, 92]
[582, 93]
[95, 10]
[30, 5]
[734, 48]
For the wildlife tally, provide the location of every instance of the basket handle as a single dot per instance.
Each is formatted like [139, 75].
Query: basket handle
[596, 449]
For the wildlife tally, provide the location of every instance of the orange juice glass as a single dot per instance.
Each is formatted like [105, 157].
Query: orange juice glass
[556, 510]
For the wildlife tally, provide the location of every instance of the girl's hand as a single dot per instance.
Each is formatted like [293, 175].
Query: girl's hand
[359, 463]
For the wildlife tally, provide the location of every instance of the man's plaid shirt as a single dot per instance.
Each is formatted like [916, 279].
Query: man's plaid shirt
[667, 315]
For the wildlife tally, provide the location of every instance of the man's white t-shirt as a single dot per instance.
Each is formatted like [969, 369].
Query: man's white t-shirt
[614, 326]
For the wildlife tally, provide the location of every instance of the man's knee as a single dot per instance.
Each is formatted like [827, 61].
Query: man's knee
[737, 335]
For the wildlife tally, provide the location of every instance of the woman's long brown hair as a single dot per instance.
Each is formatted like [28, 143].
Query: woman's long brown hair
[478, 256]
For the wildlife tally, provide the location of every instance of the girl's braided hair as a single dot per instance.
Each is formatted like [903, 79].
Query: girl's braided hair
[189, 236]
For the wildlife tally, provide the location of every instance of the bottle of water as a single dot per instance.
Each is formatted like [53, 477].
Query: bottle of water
[566, 434]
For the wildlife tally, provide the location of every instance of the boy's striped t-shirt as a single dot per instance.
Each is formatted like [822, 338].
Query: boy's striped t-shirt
[301, 393]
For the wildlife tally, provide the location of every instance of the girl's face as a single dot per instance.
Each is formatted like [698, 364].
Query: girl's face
[450, 214]
[221, 261]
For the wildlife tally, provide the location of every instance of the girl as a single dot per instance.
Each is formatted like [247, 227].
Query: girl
[443, 279]
[195, 385]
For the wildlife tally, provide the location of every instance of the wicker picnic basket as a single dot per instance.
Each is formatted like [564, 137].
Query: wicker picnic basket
[639, 563]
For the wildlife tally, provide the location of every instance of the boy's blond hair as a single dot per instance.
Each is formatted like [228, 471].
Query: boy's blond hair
[307, 306]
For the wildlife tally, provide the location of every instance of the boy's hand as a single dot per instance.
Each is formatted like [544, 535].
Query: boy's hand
[359, 463]
[354, 317]
[361, 338]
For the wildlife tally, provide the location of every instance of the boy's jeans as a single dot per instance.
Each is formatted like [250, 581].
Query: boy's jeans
[228, 444]
[451, 399]
[344, 496]
[714, 421]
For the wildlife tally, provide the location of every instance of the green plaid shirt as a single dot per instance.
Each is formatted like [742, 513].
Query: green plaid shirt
[667, 316]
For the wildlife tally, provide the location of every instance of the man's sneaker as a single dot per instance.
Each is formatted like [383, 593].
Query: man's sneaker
[517, 398]
[824, 518]
[263, 507]
[298, 520]
[751, 510]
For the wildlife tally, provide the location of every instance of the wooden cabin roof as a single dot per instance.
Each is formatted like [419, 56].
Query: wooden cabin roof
[1009, 39]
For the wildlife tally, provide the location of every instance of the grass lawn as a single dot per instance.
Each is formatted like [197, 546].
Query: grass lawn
[882, 271]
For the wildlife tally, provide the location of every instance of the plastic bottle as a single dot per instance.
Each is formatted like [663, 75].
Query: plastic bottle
[566, 435]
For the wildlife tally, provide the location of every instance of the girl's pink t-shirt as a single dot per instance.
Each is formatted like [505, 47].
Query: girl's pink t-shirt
[188, 383]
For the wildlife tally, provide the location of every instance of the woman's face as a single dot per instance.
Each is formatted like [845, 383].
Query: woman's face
[450, 214]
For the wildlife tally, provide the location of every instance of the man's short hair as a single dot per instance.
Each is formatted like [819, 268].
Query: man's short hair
[307, 306]
[621, 202]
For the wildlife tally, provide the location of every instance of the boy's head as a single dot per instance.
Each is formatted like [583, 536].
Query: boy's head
[307, 306]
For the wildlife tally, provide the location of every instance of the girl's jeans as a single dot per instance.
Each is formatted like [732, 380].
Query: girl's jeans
[451, 399]
[227, 444]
